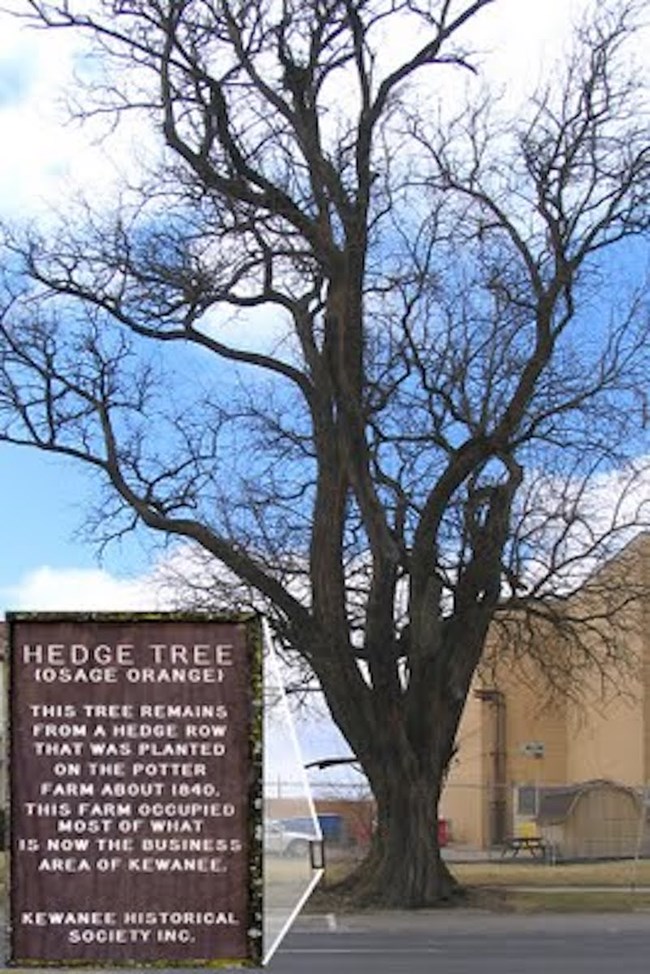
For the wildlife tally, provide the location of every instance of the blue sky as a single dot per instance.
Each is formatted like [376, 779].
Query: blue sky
[43, 499]
[44, 503]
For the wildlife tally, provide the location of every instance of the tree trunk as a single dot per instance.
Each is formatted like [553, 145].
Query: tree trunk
[405, 768]
[404, 867]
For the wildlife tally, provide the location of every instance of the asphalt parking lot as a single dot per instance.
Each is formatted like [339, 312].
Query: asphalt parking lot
[467, 942]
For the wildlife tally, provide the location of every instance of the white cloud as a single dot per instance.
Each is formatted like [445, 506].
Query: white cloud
[180, 577]
[47, 589]
[516, 38]
[43, 157]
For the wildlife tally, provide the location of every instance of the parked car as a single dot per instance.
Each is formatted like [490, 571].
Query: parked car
[282, 841]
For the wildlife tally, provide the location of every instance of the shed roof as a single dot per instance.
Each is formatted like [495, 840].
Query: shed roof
[556, 802]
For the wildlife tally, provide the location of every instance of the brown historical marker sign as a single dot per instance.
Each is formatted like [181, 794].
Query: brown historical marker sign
[135, 770]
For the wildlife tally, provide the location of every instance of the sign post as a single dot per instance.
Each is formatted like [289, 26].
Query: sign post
[135, 769]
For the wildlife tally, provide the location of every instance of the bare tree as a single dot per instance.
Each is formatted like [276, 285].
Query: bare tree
[459, 346]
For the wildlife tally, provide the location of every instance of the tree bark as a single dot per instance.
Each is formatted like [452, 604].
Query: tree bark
[404, 867]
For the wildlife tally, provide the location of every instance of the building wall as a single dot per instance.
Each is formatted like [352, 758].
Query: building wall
[644, 627]
[472, 788]
[608, 728]
[462, 802]
[606, 736]
[532, 718]
[603, 733]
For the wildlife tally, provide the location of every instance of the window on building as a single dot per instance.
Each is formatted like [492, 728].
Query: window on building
[527, 800]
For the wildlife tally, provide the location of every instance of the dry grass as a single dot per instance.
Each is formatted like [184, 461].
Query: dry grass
[622, 873]
[280, 870]
[489, 886]
[559, 901]
[506, 872]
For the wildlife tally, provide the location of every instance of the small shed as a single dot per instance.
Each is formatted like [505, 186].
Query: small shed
[591, 820]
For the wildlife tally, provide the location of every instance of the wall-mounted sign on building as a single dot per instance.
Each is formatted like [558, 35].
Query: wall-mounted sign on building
[135, 789]
[533, 749]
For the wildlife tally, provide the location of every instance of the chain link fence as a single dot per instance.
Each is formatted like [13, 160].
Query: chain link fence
[556, 822]
[569, 822]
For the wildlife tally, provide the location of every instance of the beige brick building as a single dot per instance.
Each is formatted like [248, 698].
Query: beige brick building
[514, 741]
